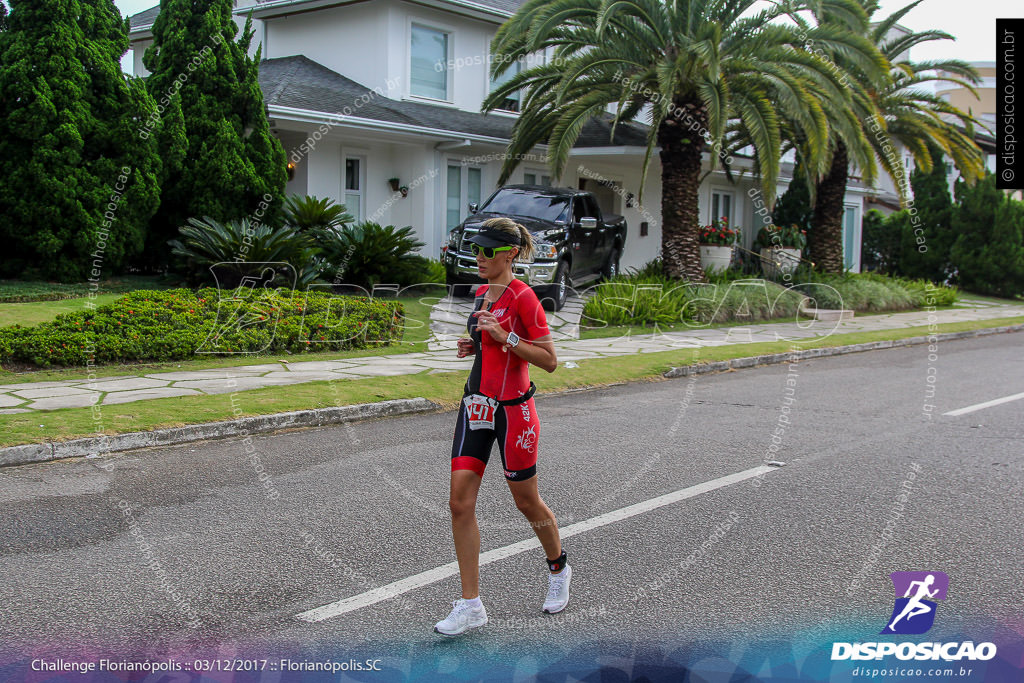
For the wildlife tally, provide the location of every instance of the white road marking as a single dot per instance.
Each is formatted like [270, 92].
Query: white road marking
[430, 576]
[986, 404]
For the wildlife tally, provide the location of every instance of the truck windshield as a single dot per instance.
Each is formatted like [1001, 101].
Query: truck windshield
[524, 203]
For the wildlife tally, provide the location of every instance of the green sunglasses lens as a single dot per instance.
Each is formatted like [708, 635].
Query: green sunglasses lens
[489, 252]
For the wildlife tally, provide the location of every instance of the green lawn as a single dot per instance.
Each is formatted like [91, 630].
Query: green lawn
[40, 290]
[442, 388]
[35, 312]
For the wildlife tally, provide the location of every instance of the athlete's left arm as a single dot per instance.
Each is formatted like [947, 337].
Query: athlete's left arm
[539, 352]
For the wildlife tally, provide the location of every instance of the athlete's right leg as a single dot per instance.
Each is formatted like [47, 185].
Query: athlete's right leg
[470, 451]
[462, 500]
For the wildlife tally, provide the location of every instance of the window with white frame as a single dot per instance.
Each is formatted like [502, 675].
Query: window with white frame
[354, 186]
[429, 72]
[463, 186]
[721, 207]
[536, 178]
[510, 101]
[850, 255]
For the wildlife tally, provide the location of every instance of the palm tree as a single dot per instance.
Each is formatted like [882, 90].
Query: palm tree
[896, 110]
[691, 65]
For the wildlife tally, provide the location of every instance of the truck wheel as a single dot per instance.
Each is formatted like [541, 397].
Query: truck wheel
[559, 291]
[611, 268]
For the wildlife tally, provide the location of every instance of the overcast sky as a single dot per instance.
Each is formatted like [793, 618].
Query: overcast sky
[973, 23]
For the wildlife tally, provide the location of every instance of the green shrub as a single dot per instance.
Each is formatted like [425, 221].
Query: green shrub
[880, 243]
[864, 292]
[638, 300]
[366, 254]
[653, 268]
[238, 248]
[794, 206]
[785, 236]
[743, 300]
[645, 297]
[928, 236]
[310, 213]
[927, 294]
[429, 270]
[175, 324]
[988, 254]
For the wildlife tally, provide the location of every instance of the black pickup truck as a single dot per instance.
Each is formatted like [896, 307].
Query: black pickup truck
[574, 243]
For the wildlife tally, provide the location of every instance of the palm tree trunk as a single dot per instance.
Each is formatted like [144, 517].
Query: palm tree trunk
[681, 151]
[825, 242]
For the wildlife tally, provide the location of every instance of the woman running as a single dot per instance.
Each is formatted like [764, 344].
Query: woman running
[508, 331]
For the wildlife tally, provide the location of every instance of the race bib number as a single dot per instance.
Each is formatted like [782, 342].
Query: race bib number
[480, 411]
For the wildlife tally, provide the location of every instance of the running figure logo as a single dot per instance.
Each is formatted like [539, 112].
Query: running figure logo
[914, 613]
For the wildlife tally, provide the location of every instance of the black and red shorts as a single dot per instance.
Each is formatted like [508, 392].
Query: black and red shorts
[516, 429]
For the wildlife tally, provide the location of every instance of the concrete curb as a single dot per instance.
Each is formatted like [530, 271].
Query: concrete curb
[93, 446]
[775, 358]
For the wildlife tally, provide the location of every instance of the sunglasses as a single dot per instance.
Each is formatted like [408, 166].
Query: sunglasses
[489, 252]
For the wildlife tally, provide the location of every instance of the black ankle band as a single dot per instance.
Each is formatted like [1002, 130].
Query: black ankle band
[556, 565]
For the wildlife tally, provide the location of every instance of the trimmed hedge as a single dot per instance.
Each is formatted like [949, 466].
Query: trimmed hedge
[646, 297]
[871, 292]
[149, 325]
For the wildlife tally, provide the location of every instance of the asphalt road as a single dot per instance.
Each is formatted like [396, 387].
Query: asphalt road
[184, 550]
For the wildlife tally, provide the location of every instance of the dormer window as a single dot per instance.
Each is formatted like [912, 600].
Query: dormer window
[429, 69]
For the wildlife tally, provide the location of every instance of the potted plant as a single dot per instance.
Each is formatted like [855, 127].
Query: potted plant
[780, 247]
[716, 244]
[394, 182]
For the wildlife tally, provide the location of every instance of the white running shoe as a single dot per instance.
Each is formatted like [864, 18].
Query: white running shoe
[558, 591]
[462, 618]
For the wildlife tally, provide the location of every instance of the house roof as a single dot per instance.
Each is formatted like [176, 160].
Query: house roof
[509, 6]
[144, 19]
[301, 83]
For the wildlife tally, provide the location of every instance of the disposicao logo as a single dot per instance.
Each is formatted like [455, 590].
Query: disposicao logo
[912, 614]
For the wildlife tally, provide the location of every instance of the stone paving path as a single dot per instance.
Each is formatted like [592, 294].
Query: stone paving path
[447, 323]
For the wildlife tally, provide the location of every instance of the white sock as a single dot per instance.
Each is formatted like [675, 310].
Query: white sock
[474, 602]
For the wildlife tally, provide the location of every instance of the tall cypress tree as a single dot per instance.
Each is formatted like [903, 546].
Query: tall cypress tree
[794, 206]
[79, 187]
[988, 252]
[231, 160]
[926, 241]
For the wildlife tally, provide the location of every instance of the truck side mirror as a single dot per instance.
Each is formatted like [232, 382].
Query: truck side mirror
[588, 222]
[473, 207]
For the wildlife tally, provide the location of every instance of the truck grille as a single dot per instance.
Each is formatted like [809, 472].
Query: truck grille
[463, 245]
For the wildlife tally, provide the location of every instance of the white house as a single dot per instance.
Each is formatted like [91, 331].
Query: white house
[362, 92]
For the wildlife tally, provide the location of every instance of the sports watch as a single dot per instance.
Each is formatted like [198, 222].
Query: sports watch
[511, 341]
